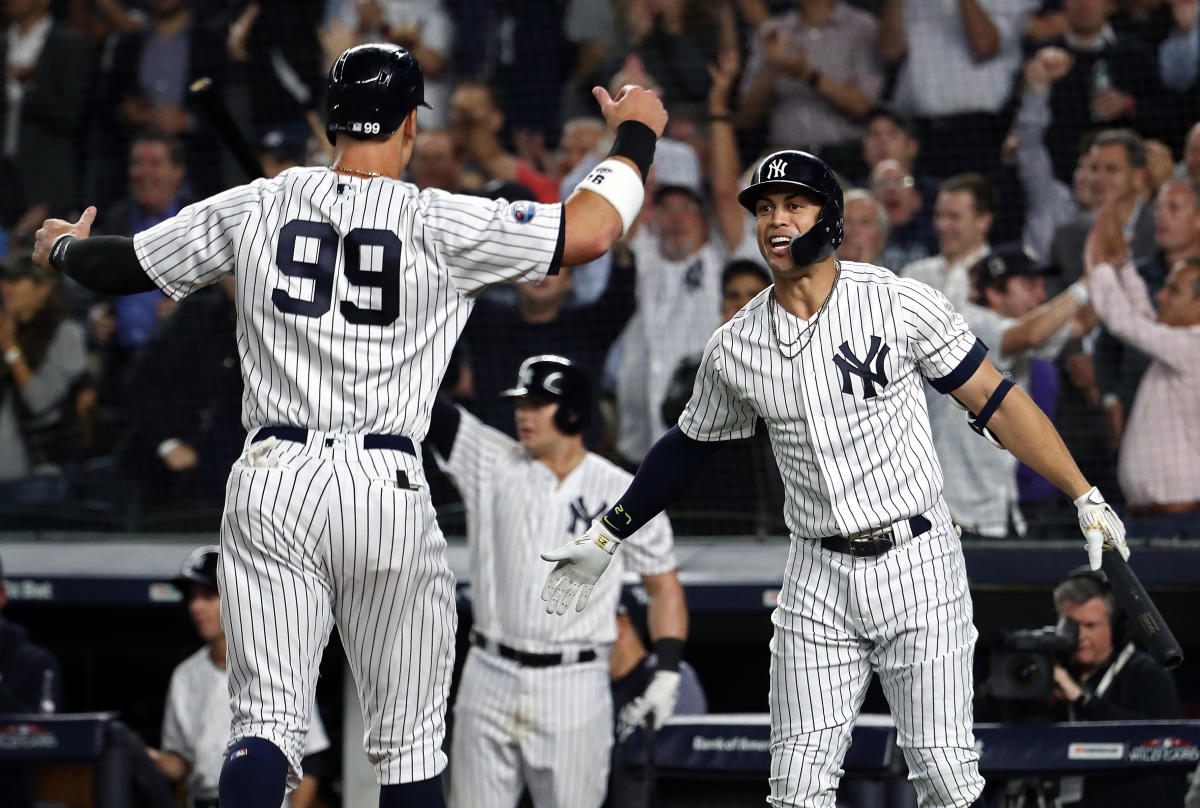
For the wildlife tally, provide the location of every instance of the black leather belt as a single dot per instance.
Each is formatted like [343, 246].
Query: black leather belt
[525, 658]
[298, 434]
[873, 542]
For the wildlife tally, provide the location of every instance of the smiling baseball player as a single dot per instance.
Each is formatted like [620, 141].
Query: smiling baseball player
[832, 359]
[511, 730]
[352, 288]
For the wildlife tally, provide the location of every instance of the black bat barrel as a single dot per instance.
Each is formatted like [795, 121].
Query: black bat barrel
[1147, 624]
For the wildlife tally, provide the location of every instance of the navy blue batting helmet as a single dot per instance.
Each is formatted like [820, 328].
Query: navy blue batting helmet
[371, 90]
[555, 378]
[200, 568]
[810, 174]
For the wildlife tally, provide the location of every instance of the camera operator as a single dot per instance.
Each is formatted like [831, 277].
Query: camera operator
[1109, 679]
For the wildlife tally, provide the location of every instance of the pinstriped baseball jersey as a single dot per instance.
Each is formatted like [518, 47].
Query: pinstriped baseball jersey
[846, 416]
[516, 508]
[351, 292]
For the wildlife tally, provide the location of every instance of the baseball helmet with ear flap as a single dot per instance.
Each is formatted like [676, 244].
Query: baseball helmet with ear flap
[556, 378]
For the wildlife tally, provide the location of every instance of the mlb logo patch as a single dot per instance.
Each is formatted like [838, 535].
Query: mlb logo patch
[523, 212]
[239, 753]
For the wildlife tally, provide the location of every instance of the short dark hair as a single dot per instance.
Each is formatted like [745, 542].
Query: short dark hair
[977, 186]
[1080, 588]
[744, 266]
[901, 121]
[1131, 141]
[175, 150]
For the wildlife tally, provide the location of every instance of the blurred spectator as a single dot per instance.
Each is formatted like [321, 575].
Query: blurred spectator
[1119, 367]
[184, 399]
[1117, 158]
[679, 255]
[959, 61]
[475, 123]
[156, 180]
[814, 73]
[197, 715]
[1148, 20]
[277, 44]
[47, 69]
[866, 227]
[434, 163]
[282, 148]
[44, 361]
[1112, 81]
[743, 492]
[1110, 679]
[498, 337]
[980, 482]
[590, 27]
[525, 67]
[667, 36]
[910, 217]
[1190, 165]
[962, 218]
[888, 135]
[152, 70]
[1049, 202]
[30, 682]
[1160, 166]
[631, 667]
[421, 26]
[1158, 463]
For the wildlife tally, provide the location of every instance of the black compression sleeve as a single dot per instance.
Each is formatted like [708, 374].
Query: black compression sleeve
[443, 426]
[105, 264]
[672, 462]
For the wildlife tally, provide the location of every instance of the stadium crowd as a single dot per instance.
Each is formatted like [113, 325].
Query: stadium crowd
[1035, 161]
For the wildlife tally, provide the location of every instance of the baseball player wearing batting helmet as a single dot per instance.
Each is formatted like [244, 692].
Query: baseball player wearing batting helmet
[197, 714]
[352, 289]
[534, 708]
[833, 358]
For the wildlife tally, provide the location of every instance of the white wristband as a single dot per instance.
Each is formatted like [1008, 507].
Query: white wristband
[620, 184]
[1079, 291]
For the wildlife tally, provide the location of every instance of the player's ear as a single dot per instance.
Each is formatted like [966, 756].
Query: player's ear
[410, 125]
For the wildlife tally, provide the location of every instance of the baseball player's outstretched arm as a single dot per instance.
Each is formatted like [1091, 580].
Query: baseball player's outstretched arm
[605, 204]
[1025, 431]
[672, 462]
[106, 264]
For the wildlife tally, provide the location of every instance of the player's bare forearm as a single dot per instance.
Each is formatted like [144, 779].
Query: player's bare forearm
[1024, 430]
[591, 225]
[667, 614]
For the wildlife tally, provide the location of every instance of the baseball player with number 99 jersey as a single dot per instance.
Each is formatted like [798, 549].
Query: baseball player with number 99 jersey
[833, 359]
[352, 288]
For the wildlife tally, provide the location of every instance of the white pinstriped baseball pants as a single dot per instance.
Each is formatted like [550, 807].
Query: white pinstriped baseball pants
[329, 538]
[546, 728]
[905, 615]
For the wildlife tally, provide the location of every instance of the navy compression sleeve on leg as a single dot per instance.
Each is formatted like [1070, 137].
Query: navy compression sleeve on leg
[254, 775]
[672, 462]
[422, 794]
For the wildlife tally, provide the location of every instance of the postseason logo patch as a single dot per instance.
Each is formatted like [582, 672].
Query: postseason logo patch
[523, 212]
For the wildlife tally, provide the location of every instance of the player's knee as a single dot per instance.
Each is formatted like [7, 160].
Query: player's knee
[422, 794]
[805, 770]
[944, 777]
[254, 774]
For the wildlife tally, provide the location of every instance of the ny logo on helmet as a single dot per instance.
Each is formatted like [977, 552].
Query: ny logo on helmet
[776, 169]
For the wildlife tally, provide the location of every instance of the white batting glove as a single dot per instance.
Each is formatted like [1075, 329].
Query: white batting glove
[658, 702]
[1101, 527]
[580, 564]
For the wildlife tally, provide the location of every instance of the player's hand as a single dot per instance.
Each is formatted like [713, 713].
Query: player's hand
[632, 103]
[658, 702]
[53, 229]
[1102, 528]
[580, 564]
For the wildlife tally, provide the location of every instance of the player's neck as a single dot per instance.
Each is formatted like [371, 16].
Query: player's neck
[368, 159]
[802, 291]
[216, 651]
[564, 457]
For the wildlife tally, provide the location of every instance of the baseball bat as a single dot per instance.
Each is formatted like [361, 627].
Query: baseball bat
[205, 96]
[1141, 612]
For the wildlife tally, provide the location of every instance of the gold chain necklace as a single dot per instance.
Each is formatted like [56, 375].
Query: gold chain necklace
[356, 171]
[779, 343]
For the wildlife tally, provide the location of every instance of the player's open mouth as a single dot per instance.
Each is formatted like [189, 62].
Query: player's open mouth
[779, 244]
